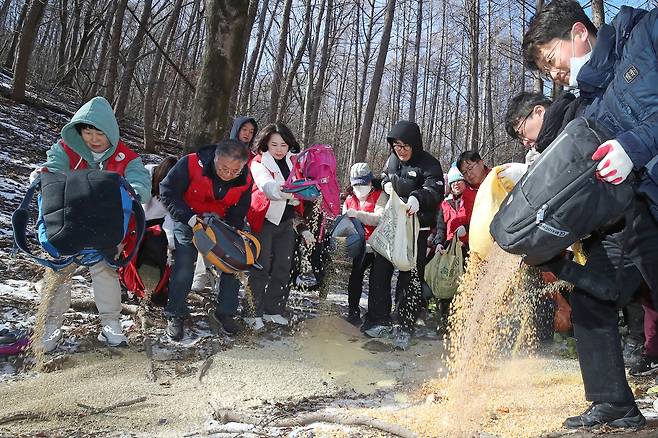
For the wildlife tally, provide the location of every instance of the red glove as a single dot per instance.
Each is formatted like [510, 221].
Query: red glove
[614, 163]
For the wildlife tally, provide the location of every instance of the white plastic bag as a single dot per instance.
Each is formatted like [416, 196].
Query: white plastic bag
[396, 235]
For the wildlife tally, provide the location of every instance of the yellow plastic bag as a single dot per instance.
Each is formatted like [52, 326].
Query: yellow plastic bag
[490, 196]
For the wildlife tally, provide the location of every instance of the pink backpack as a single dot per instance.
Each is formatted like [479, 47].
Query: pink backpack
[317, 165]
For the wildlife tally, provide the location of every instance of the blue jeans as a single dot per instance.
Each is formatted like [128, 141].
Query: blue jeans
[182, 274]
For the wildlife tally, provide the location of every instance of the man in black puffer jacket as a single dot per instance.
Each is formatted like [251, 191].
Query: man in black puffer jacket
[417, 178]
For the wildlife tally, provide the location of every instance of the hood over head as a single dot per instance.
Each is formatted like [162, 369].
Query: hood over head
[99, 113]
[407, 132]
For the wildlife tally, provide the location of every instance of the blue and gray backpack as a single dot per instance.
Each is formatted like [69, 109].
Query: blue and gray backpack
[83, 217]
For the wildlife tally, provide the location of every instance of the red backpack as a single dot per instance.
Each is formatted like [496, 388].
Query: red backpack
[317, 165]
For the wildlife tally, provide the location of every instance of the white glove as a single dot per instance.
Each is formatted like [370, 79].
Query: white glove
[193, 220]
[511, 174]
[388, 188]
[351, 212]
[412, 205]
[615, 165]
[460, 231]
[34, 174]
[440, 249]
[308, 237]
[294, 202]
[531, 156]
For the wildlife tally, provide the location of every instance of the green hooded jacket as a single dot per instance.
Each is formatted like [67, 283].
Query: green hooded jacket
[99, 113]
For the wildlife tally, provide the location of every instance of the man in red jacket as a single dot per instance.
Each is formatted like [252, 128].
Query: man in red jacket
[213, 180]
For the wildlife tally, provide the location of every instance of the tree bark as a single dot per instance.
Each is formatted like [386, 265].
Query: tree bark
[245, 92]
[598, 13]
[113, 55]
[11, 54]
[473, 73]
[25, 45]
[131, 60]
[414, 76]
[223, 55]
[277, 75]
[150, 97]
[364, 137]
[283, 104]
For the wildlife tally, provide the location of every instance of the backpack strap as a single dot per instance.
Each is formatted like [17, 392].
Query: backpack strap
[140, 229]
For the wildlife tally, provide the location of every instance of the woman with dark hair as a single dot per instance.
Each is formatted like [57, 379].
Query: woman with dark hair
[272, 216]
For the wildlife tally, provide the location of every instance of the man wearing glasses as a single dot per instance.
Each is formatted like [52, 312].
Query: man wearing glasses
[617, 67]
[417, 177]
[470, 164]
[213, 180]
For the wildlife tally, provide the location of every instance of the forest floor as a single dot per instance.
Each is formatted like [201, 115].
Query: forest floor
[319, 377]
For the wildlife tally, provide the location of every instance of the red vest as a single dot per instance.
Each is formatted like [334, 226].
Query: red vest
[368, 206]
[260, 203]
[454, 218]
[200, 196]
[117, 162]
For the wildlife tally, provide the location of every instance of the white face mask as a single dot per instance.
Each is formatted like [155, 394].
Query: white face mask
[577, 63]
[362, 192]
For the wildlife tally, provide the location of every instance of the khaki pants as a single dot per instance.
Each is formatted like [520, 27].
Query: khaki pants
[105, 285]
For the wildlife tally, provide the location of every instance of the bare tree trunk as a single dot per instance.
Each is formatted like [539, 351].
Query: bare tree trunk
[245, 92]
[491, 131]
[131, 60]
[11, 54]
[598, 13]
[75, 33]
[235, 95]
[63, 34]
[25, 45]
[473, 73]
[115, 44]
[295, 63]
[538, 83]
[4, 8]
[401, 64]
[277, 74]
[308, 96]
[104, 52]
[414, 76]
[224, 52]
[311, 128]
[366, 128]
[150, 97]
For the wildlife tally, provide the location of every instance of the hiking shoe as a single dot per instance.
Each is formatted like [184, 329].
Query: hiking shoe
[229, 324]
[379, 331]
[354, 317]
[255, 324]
[645, 366]
[612, 414]
[112, 335]
[276, 319]
[402, 340]
[632, 351]
[175, 328]
[52, 333]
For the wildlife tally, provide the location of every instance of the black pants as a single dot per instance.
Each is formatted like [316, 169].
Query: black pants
[410, 299]
[595, 320]
[355, 285]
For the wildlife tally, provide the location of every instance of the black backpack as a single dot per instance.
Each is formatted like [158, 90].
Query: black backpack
[559, 200]
[83, 216]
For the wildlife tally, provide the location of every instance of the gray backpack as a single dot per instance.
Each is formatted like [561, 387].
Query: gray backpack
[559, 200]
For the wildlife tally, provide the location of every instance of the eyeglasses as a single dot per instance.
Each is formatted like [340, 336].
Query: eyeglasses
[549, 63]
[469, 169]
[401, 146]
[520, 135]
[228, 171]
